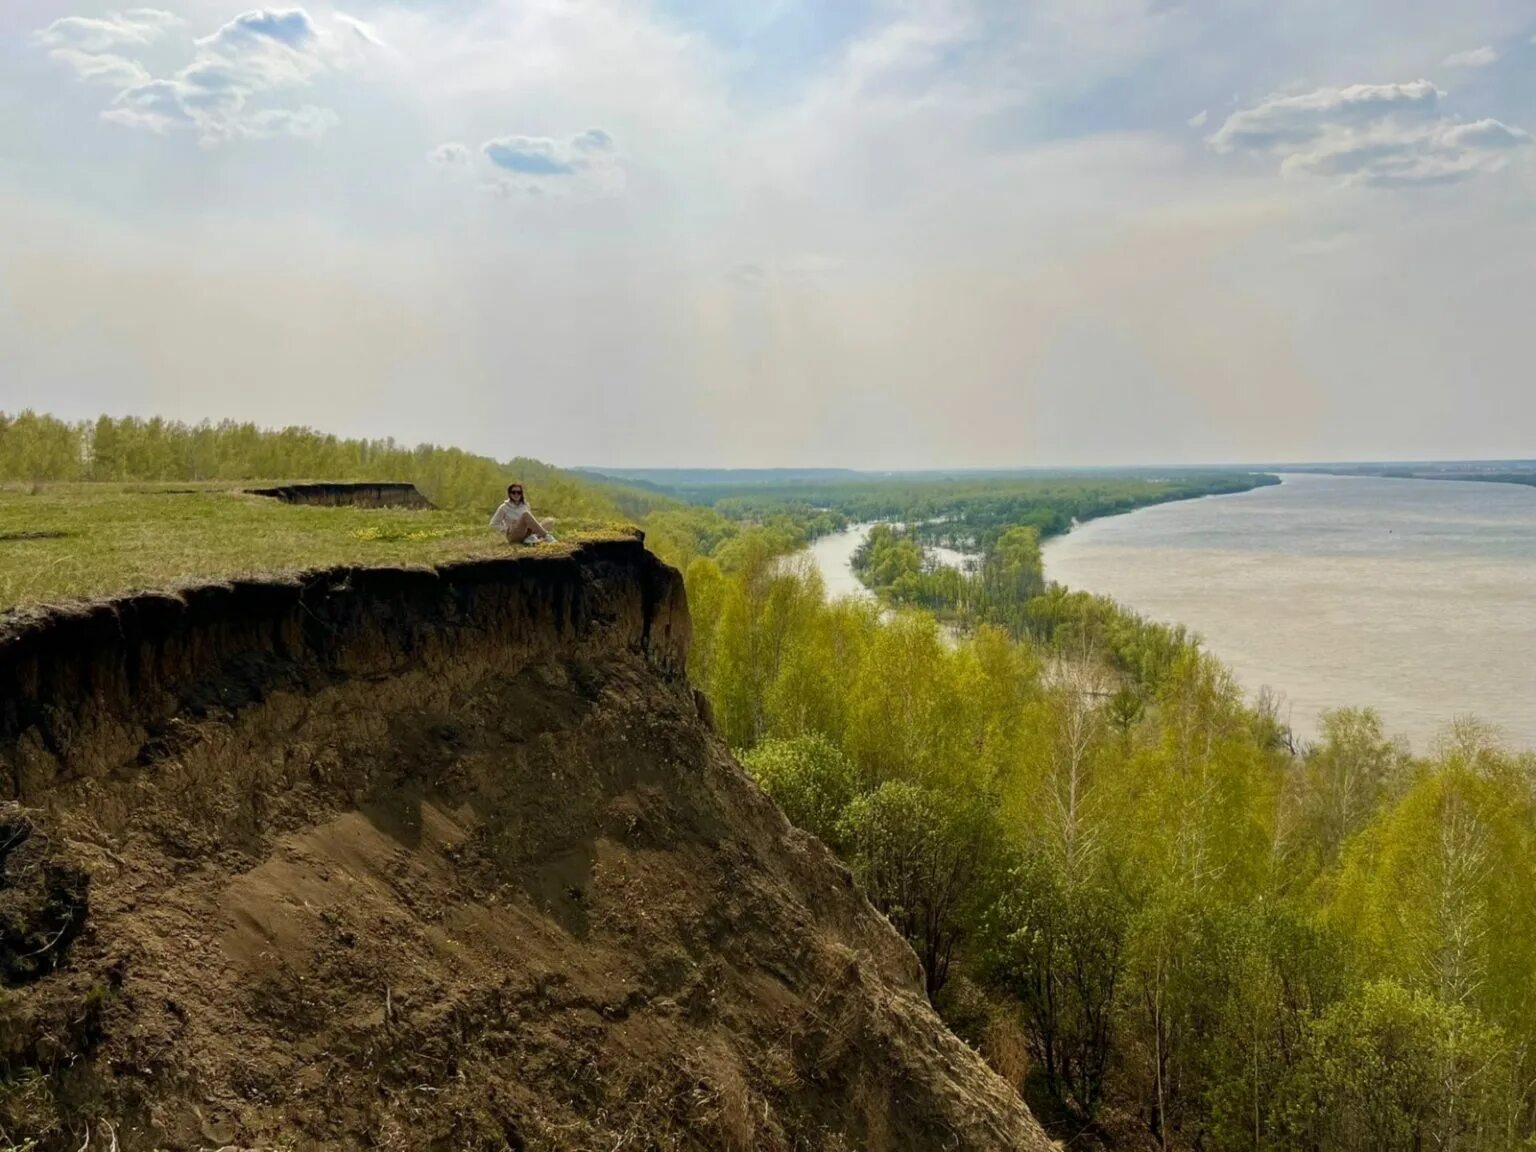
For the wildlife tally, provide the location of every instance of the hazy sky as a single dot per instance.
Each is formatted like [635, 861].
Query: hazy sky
[884, 233]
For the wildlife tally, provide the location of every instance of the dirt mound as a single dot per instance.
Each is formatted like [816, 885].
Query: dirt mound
[348, 495]
[432, 859]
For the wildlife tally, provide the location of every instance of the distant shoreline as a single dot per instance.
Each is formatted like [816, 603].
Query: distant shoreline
[1522, 472]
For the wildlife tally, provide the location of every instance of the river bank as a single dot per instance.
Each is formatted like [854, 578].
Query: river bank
[1415, 597]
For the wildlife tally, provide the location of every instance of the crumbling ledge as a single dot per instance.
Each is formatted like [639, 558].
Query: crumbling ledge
[90, 692]
[348, 495]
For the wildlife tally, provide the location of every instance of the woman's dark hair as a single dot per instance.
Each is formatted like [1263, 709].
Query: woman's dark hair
[516, 484]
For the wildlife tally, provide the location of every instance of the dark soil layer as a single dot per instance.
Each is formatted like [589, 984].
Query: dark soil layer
[348, 495]
[432, 859]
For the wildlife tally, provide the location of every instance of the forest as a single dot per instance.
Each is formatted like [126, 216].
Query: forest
[1167, 921]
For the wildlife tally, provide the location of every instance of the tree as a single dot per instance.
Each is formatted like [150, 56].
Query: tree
[925, 859]
[37, 448]
[767, 607]
[905, 721]
[810, 779]
[1056, 949]
[706, 586]
[1436, 894]
[1390, 1068]
[1347, 776]
[1010, 577]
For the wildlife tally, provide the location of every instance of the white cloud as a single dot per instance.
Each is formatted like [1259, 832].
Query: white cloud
[265, 49]
[102, 68]
[530, 156]
[1436, 153]
[1472, 58]
[593, 140]
[135, 28]
[305, 123]
[1199, 119]
[154, 106]
[451, 155]
[1279, 121]
[362, 33]
[1379, 134]
[92, 46]
[586, 163]
[254, 57]
[162, 106]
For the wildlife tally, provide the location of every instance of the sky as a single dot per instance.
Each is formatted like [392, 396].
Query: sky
[861, 233]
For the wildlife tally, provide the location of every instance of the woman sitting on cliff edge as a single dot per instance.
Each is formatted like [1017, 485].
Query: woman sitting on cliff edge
[515, 520]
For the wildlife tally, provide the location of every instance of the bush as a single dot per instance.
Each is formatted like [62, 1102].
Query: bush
[809, 778]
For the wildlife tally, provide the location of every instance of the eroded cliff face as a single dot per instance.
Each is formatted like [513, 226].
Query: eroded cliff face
[441, 859]
[348, 495]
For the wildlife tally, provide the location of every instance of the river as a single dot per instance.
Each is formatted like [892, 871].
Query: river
[833, 557]
[1416, 597]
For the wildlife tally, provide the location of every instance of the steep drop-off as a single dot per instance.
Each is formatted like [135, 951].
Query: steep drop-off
[432, 859]
[348, 495]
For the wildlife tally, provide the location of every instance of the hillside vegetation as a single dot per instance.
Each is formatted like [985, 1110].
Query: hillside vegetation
[1169, 923]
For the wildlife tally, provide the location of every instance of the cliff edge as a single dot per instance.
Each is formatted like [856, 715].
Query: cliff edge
[431, 859]
[337, 495]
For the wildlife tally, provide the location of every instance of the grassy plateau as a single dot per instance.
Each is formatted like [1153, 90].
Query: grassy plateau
[61, 542]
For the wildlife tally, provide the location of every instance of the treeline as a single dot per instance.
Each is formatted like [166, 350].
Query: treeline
[36, 448]
[972, 512]
[1169, 925]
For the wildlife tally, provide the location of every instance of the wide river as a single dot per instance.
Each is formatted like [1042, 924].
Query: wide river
[1416, 597]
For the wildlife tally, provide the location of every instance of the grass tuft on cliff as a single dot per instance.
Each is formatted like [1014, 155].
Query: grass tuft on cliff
[63, 542]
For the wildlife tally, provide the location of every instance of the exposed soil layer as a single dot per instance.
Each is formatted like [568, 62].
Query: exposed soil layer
[432, 859]
[348, 495]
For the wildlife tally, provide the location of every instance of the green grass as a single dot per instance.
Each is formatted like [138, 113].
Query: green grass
[61, 542]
